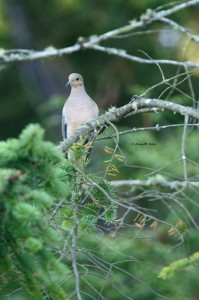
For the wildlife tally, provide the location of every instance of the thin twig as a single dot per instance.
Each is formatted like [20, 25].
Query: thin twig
[123, 54]
[73, 253]
[183, 147]
[153, 128]
[182, 29]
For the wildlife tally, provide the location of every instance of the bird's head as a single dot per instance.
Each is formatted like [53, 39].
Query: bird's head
[75, 80]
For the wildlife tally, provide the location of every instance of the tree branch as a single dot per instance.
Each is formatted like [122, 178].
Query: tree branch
[155, 182]
[115, 114]
[122, 53]
[182, 29]
[151, 16]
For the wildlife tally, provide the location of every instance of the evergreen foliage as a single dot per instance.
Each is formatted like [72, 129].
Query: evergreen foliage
[180, 264]
[34, 178]
[48, 205]
[30, 183]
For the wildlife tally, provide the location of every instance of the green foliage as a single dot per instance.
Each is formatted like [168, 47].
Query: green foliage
[29, 182]
[103, 195]
[180, 264]
[97, 195]
[34, 176]
[128, 264]
[39, 191]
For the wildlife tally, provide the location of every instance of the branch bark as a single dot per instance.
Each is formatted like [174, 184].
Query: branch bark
[115, 114]
[169, 184]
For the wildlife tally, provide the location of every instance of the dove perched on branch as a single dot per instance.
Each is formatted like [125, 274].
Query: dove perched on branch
[79, 107]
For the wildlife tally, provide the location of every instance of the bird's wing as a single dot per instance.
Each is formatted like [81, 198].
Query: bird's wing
[64, 128]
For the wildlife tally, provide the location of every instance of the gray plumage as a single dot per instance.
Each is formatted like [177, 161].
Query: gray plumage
[79, 107]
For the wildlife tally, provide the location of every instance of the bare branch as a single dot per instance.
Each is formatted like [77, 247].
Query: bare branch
[114, 115]
[183, 147]
[153, 128]
[182, 29]
[153, 182]
[122, 53]
[8, 56]
[92, 42]
[176, 8]
[73, 253]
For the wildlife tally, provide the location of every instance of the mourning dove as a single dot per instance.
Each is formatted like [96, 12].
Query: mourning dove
[79, 107]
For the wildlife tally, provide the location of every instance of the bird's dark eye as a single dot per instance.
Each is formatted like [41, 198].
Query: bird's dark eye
[77, 78]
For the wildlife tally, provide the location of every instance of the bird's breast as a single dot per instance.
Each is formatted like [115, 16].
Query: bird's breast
[80, 111]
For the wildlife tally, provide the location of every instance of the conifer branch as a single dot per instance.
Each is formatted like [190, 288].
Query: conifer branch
[180, 264]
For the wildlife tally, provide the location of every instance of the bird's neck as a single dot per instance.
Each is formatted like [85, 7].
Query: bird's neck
[77, 89]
